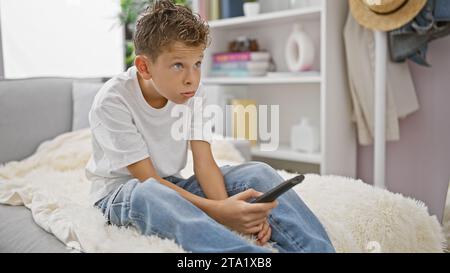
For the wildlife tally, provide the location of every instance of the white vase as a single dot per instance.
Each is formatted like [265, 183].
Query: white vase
[305, 137]
[299, 51]
[251, 8]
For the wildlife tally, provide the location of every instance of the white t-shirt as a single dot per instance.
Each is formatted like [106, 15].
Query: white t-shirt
[126, 129]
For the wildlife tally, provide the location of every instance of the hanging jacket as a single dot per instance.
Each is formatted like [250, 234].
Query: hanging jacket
[401, 98]
[411, 41]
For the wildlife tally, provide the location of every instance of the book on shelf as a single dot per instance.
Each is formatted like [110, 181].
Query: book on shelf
[214, 10]
[244, 122]
[310, 73]
[250, 65]
[222, 57]
[217, 9]
[236, 73]
[201, 7]
[231, 8]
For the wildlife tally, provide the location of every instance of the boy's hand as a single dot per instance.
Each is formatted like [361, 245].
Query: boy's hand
[241, 216]
[264, 235]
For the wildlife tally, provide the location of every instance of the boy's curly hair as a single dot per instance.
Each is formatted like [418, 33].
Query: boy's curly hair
[165, 23]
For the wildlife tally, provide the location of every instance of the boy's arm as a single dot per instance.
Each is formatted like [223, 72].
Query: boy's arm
[233, 212]
[207, 172]
[144, 170]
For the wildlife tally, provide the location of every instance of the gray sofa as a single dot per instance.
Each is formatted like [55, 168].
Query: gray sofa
[32, 111]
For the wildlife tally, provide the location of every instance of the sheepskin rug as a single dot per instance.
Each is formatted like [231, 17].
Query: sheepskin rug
[446, 220]
[357, 216]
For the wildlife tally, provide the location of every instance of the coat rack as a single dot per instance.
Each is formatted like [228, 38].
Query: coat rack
[382, 16]
[380, 109]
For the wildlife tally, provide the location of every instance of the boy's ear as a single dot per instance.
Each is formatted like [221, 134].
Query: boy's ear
[143, 64]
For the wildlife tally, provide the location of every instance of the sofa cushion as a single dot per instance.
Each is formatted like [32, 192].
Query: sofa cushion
[20, 234]
[31, 111]
[83, 93]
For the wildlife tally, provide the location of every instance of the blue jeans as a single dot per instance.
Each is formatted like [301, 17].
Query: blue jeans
[155, 209]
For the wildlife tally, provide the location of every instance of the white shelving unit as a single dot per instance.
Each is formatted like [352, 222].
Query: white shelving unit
[323, 97]
[267, 18]
[286, 153]
[262, 80]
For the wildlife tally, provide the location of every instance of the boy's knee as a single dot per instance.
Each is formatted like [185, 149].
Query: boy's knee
[261, 166]
[263, 173]
[263, 169]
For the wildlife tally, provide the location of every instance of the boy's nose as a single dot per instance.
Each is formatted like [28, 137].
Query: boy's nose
[189, 79]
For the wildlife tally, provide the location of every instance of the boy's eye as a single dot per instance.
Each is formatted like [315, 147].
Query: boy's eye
[178, 66]
[198, 64]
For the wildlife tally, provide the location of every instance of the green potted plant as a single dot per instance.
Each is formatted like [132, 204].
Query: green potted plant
[130, 10]
[251, 7]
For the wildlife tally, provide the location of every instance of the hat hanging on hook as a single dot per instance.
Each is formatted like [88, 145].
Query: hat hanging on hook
[385, 15]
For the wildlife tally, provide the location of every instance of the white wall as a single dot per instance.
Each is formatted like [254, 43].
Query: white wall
[69, 38]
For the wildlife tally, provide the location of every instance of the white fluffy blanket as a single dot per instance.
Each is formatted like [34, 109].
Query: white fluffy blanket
[357, 216]
[446, 220]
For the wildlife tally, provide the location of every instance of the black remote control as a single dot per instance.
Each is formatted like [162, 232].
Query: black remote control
[279, 190]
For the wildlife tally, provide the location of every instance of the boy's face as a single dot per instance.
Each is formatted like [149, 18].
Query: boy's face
[176, 72]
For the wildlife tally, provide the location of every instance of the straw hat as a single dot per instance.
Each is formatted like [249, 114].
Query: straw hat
[385, 15]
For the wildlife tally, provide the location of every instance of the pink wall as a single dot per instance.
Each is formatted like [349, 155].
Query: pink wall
[419, 164]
